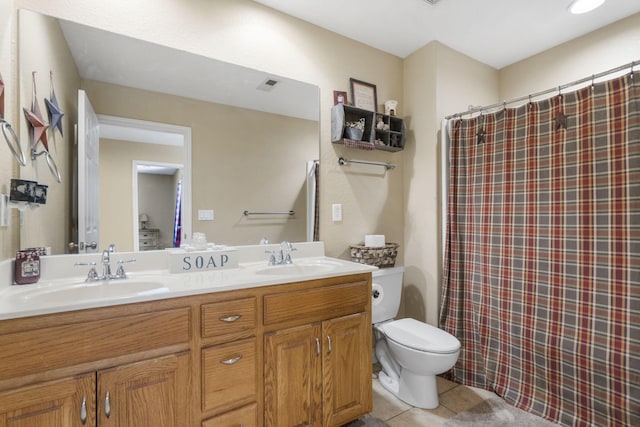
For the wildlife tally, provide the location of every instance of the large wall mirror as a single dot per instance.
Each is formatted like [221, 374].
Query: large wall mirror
[251, 142]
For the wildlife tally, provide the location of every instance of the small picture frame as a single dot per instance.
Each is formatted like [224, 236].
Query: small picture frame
[364, 95]
[340, 97]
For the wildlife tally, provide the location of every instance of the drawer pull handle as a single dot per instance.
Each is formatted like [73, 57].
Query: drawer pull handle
[231, 361]
[318, 346]
[329, 341]
[107, 405]
[230, 319]
[83, 410]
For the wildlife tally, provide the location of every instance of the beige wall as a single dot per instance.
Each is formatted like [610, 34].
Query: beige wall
[116, 189]
[48, 225]
[439, 81]
[241, 160]
[601, 50]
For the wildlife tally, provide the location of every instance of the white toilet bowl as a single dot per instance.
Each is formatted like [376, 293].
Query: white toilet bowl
[411, 352]
[419, 352]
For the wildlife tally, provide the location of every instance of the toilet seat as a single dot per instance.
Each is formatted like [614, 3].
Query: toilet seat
[420, 336]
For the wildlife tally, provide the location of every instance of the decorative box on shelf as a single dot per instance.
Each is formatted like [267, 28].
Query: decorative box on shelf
[381, 131]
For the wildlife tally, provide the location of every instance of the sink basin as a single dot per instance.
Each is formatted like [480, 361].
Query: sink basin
[92, 291]
[302, 268]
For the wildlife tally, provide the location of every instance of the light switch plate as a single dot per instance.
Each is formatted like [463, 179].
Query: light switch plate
[336, 212]
[205, 214]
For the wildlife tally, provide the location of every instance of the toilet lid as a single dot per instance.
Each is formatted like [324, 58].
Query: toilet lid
[420, 336]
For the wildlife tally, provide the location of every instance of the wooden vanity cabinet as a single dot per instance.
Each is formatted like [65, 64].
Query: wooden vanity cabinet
[318, 373]
[281, 355]
[151, 393]
[50, 404]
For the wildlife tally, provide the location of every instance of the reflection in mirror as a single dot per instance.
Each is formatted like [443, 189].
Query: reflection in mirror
[251, 142]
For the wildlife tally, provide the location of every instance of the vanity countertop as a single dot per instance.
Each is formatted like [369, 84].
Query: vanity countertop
[150, 280]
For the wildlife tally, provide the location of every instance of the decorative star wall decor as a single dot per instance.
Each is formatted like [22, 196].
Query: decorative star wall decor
[53, 109]
[35, 119]
[481, 134]
[561, 121]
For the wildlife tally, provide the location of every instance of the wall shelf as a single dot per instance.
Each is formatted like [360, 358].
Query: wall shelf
[381, 131]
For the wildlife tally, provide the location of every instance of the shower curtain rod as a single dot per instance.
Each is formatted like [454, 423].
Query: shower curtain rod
[544, 92]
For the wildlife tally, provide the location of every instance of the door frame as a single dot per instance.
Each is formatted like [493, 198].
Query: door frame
[146, 131]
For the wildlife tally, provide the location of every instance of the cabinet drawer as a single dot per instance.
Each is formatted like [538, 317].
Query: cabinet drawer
[317, 304]
[228, 317]
[67, 345]
[148, 235]
[229, 375]
[245, 417]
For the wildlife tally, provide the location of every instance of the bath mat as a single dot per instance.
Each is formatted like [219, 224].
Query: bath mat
[367, 421]
[495, 412]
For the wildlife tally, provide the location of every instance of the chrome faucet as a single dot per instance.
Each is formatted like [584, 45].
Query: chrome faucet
[284, 255]
[106, 267]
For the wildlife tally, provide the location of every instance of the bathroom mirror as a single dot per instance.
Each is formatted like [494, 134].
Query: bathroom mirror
[253, 136]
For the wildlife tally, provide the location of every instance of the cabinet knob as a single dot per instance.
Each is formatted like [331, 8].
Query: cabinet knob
[83, 410]
[329, 342]
[318, 346]
[231, 361]
[107, 405]
[230, 319]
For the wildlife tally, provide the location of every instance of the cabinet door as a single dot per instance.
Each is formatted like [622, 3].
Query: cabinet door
[293, 377]
[52, 404]
[346, 368]
[152, 393]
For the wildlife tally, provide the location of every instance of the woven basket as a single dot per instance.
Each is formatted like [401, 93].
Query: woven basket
[380, 257]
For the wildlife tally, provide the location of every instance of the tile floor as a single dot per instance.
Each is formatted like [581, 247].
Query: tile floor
[454, 398]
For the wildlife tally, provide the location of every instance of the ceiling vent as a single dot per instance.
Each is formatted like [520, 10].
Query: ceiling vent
[268, 84]
[432, 2]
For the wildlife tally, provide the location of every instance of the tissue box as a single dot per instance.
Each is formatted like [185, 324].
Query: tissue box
[181, 261]
[374, 240]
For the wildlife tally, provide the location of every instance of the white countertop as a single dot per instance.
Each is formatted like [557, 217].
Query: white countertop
[149, 279]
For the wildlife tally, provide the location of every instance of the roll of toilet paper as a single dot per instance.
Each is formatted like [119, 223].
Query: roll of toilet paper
[374, 240]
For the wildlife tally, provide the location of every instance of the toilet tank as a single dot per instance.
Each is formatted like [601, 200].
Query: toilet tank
[387, 291]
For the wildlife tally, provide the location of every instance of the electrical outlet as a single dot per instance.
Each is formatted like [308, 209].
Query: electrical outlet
[336, 212]
[205, 214]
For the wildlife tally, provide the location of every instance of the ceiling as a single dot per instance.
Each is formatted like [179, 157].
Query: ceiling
[495, 32]
[117, 59]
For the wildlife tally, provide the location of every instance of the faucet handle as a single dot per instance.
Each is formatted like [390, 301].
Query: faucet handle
[120, 273]
[92, 276]
[272, 258]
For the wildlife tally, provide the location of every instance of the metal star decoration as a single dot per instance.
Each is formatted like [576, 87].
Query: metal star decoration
[561, 121]
[34, 117]
[53, 109]
[481, 134]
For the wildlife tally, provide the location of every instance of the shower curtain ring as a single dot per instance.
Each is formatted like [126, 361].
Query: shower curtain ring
[593, 84]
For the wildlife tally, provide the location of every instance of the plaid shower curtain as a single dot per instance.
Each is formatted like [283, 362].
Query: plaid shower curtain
[541, 279]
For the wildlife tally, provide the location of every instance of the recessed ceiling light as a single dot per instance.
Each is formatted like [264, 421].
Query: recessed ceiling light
[584, 6]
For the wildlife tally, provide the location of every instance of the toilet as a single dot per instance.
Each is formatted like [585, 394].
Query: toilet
[410, 352]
